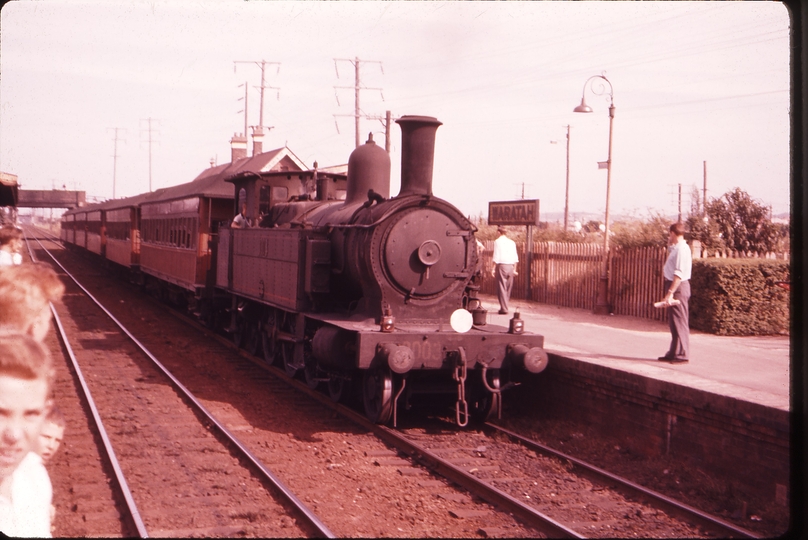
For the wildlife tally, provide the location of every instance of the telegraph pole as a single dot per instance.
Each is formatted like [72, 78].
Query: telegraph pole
[704, 197]
[149, 120]
[387, 118]
[522, 190]
[262, 64]
[567, 193]
[115, 160]
[386, 121]
[357, 87]
[680, 203]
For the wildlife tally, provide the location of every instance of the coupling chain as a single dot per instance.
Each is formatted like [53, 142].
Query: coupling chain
[462, 406]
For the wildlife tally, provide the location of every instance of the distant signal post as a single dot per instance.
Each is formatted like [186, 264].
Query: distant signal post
[521, 212]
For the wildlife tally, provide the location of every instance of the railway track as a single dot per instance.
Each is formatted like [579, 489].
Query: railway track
[468, 466]
[682, 510]
[482, 464]
[169, 455]
[505, 470]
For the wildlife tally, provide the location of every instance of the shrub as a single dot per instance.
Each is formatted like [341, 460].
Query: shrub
[739, 297]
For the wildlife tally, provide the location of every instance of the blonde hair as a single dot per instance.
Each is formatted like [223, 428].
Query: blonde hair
[24, 358]
[25, 291]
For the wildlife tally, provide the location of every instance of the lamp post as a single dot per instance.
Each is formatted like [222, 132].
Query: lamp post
[602, 305]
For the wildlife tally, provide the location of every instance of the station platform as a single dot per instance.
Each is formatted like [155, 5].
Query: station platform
[754, 369]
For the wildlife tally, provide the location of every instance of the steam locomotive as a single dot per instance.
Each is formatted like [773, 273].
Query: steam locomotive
[335, 280]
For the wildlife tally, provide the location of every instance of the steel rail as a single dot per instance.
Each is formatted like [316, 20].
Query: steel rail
[287, 493]
[113, 459]
[486, 491]
[442, 467]
[431, 461]
[722, 527]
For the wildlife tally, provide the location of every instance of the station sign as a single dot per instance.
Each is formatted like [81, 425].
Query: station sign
[521, 212]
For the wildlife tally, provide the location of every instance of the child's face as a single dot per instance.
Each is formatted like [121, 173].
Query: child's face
[23, 407]
[49, 440]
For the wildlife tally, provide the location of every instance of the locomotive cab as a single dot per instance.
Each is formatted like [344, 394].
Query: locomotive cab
[265, 193]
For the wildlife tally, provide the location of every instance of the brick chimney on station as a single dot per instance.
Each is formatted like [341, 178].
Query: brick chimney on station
[238, 147]
[258, 139]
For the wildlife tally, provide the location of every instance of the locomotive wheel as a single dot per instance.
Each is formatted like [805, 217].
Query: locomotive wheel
[286, 349]
[338, 389]
[268, 338]
[377, 392]
[485, 405]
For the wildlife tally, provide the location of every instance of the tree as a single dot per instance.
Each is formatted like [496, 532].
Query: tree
[736, 221]
[642, 233]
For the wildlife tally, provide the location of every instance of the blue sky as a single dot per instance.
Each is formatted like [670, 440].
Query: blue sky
[692, 82]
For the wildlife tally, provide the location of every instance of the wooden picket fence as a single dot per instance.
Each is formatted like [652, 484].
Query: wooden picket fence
[567, 274]
[636, 282]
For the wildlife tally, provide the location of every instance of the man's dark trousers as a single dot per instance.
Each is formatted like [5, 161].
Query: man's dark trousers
[679, 321]
[504, 284]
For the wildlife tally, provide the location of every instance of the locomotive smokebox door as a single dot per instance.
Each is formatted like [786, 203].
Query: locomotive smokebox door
[420, 257]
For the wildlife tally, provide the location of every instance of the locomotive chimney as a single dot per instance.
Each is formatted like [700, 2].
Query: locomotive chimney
[417, 153]
[368, 168]
[238, 147]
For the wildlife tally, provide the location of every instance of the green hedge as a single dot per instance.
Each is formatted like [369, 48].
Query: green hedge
[739, 297]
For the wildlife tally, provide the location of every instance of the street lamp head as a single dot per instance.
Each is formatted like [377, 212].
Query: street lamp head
[583, 107]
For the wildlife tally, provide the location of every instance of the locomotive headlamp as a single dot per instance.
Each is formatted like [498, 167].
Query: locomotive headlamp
[461, 321]
[517, 325]
[388, 323]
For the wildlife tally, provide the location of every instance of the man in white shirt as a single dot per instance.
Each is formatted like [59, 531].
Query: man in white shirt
[26, 376]
[505, 259]
[676, 274]
[241, 221]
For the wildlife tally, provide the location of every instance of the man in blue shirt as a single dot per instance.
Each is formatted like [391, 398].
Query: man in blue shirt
[676, 274]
